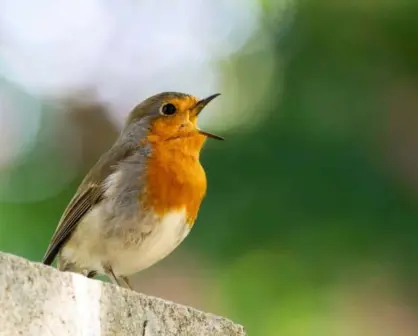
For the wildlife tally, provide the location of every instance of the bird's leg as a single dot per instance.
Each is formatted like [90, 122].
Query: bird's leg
[109, 272]
[120, 281]
[127, 282]
[91, 274]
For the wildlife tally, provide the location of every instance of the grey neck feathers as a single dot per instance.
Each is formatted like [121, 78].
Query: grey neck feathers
[133, 133]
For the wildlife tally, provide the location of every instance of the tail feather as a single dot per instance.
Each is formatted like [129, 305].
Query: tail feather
[50, 255]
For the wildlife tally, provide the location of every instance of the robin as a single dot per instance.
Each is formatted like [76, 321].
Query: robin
[141, 199]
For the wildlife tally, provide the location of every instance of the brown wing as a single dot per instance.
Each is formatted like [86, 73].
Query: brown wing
[87, 196]
[77, 208]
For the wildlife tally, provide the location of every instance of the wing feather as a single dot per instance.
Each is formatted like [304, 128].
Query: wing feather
[78, 207]
[89, 194]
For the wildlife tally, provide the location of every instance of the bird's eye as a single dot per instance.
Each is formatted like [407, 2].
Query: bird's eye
[168, 109]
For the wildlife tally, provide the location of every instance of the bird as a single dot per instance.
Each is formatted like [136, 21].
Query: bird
[142, 197]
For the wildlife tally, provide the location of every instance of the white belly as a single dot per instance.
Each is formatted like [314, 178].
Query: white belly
[127, 254]
[164, 238]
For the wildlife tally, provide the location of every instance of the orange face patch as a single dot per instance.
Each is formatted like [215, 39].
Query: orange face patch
[184, 104]
[180, 124]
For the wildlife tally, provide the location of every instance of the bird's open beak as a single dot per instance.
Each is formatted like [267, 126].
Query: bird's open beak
[199, 107]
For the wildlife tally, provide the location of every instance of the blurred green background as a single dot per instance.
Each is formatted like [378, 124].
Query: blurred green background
[310, 225]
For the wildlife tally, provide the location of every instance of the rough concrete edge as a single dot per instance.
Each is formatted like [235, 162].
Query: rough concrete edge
[16, 261]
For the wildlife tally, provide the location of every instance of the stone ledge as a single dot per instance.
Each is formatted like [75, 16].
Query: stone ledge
[39, 300]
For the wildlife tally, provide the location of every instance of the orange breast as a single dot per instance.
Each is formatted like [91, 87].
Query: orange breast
[175, 179]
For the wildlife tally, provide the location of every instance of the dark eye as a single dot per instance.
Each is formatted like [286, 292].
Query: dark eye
[168, 109]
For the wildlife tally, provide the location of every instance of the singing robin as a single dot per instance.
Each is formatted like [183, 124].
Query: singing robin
[142, 197]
